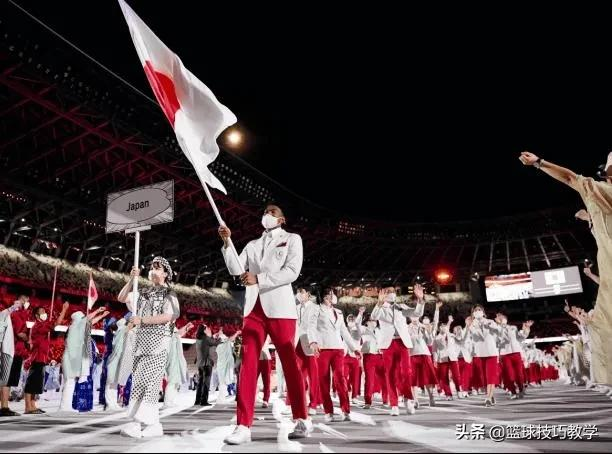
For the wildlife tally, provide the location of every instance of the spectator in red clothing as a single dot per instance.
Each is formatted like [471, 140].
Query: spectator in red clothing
[19, 317]
[39, 341]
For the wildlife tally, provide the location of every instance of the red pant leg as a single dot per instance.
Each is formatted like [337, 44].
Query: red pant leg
[465, 371]
[337, 365]
[309, 366]
[353, 375]
[403, 356]
[456, 374]
[508, 373]
[324, 380]
[369, 366]
[253, 336]
[382, 378]
[282, 334]
[390, 375]
[265, 369]
[443, 369]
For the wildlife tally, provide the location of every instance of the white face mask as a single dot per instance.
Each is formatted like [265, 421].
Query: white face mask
[390, 297]
[26, 305]
[372, 326]
[443, 329]
[43, 317]
[414, 320]
[425, 321]
[478, 314]
[504, 321]
[268, 221]
[351, 324]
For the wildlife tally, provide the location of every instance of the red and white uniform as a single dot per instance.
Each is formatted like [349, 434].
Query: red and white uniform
[373, 364]
[306, 334]
[511, 356]
[352, 365]
[446, 352]
[276, 259]
[395, 342]
[484, 334]
[332, 334]
[423, 370]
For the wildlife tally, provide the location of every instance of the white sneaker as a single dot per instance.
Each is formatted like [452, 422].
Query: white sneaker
[367, 406]
[328, 418]
[240, 435]
[265, 405]
[514, 397]
[303, 429]
[337, 418]
[395, 411]
[312, 412]
[133, 430]
[154, 430]
[410, 407]
[474, 392]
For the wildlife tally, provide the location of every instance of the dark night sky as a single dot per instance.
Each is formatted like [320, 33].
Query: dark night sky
[368, 113]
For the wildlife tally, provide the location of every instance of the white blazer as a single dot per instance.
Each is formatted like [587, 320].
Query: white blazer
[484, 334]
[392, 318]
[276, 269]
[465, 346]
[306, 331]
[369, 338]
[510, 340]
[332, 332]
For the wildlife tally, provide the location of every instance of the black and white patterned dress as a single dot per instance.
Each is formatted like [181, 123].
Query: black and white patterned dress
[151, 353]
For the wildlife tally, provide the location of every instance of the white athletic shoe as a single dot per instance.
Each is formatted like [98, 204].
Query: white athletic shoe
[395, 411]
[474, 392]
[265, 405]
[514, 397]
[240, 435]
[312, 412]
[367, 406]
[488, 403]
[410, 407]
[133, 430]
[303, 428]
[154, 430]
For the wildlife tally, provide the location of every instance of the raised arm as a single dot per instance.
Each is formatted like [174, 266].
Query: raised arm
[557, 172]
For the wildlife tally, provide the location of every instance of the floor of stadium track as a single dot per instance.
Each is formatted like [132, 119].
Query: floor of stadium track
[196, 429]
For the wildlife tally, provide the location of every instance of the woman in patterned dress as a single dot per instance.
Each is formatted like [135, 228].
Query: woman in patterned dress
[154, 314]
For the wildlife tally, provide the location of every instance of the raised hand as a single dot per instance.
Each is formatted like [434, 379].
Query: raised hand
[528, 158]
[439, 304]
[419, 292]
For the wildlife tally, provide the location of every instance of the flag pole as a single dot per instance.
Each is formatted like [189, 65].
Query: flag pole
[136, 260]
[53, 291]
[222, 223]
[88, 290]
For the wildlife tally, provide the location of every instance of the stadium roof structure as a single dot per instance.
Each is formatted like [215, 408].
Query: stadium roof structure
[72, 132]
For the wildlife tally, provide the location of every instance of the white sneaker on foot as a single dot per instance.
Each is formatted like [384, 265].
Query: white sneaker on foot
[303, 429]
[410, 407]
[240, 435]
[312, 412]
[367, 406]
[265, 405]
[395, 411]
[133, 430]
[154, 430]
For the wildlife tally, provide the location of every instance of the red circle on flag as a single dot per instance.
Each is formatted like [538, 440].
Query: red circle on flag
[165, 92]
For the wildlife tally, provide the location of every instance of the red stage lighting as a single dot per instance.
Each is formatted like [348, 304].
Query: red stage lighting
[443, 277]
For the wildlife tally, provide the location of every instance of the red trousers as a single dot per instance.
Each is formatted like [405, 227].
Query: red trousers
[396, 359]
[282, 332]
[333, 359]
[309, 365]
[490, 368]
[534, 373]
[478, 379]
[465, 372]
[352, 370]
[444, 369]
[375, 378]
[513, 372]
[265, 370]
